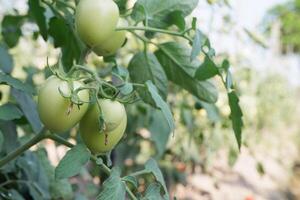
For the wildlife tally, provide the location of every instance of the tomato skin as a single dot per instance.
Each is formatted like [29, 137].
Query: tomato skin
[53, 108]
[89, 126]
[113, 113]
[96, 20]
[113, 43]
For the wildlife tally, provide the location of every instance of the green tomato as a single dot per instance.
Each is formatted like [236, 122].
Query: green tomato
[55, 111]
[113, 113]
[113, 43]
[211, 1]
[115, 119]
[96, 20]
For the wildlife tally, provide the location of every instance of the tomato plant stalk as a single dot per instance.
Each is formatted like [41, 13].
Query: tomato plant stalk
[33, 141]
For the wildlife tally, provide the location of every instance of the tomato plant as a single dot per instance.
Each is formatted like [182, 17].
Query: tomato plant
[154, 68]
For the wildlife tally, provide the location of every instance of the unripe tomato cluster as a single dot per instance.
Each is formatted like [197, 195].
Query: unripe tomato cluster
[59, 114]
[96, 21]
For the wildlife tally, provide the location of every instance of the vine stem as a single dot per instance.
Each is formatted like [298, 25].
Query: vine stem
[145, 28]
[33, 141]
[139, 173]
[132, 196]
[60, 140]
[138, 85]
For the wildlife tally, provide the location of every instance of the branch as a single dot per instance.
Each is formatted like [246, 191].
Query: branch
[33, 141]
[145, 28]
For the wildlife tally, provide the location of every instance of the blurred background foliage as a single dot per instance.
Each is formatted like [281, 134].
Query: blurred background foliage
[288, 14]
[200, 160]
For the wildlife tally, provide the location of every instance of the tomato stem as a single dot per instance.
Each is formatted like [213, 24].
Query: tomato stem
[146, 28]
[139, 173]
[132, 196]
[60, 140]
[33, 141]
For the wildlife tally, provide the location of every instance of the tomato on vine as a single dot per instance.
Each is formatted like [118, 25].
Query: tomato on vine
[96, 21]
[58, 113]
[111, 44]
[115, 121]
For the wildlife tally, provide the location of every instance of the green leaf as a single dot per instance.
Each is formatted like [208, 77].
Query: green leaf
[179, 56]
[225, 65]
[35, 175]
[29, 108]
[152, 167]
[153, 192]
[122, 5]
[15, 195]
[35, 191]
[1, 141]
[37, 12]
[11, 29]
[126, 89]
[197, 44]
[59, 189]
[160, 131]
[9, 112]
[9, 131]
[144, 67]
[80, 197]
[6, 61]
[72, 162]
[59, 31]
[132, 180]
[157, 12]
[209, 51]
[70, 53]
[15, 83]
[207, 70]
[160, 103]
[175, 59]
[177, 19]
[236, 116]
[64, 38]
[113, 188]
[121, 71]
